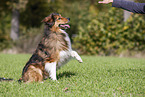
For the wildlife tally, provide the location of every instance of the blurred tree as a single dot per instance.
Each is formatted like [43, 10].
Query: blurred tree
[15, 20]
[17, 5]
[13, 6]
[127, 13]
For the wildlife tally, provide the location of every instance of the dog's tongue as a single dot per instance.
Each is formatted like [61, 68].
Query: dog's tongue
[65, 26]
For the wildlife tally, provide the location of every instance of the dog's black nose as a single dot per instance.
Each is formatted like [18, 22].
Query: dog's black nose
[68, 19]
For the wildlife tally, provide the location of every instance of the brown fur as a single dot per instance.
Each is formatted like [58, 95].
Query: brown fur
[33, 74]
[47, 51]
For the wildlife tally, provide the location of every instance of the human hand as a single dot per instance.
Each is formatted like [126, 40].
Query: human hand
[105, 1]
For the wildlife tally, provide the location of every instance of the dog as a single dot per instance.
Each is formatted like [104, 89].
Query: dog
[53, 51]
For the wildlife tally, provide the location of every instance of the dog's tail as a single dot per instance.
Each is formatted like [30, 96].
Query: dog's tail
[5, 79]
[9, 79]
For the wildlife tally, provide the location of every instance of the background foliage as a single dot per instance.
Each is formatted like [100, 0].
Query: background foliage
[108, 34]
[95, 28]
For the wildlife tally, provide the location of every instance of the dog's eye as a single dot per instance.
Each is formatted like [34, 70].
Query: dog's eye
[59, 18]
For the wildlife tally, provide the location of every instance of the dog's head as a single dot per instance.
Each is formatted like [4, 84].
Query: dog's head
[56, 20]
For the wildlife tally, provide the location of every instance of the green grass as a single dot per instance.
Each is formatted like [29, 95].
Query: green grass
[95, 77]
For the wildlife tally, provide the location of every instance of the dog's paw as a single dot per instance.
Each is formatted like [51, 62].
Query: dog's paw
[74, 54]
[54, 79]
[80, 60]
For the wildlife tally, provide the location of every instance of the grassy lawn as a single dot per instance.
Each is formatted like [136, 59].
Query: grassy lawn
[95, 77]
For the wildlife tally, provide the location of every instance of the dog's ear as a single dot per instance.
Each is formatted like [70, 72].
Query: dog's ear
[49, 20]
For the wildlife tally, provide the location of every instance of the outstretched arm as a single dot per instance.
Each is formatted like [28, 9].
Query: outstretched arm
[127, 5]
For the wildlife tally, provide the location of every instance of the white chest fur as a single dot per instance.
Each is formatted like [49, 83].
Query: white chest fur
[65, 55]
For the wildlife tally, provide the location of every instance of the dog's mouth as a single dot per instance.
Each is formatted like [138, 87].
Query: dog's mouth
[64, 26]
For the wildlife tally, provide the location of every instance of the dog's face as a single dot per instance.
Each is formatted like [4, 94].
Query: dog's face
[56, 20]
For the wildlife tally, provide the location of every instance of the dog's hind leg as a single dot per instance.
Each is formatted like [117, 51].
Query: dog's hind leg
[74, 54]
[33, 74]
[51, 69]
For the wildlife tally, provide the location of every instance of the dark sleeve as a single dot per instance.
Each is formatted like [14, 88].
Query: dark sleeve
[129, 6]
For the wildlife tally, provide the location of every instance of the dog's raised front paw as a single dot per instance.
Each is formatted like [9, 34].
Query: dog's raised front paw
[81, 61]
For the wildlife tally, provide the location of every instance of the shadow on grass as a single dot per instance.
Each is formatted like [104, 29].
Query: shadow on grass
[5, 79]
[65, 74]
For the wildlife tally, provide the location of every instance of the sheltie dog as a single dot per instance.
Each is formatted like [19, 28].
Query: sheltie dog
[53, 51]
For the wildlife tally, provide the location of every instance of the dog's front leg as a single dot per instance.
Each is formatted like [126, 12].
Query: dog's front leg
[74, 54]
[51, 69]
